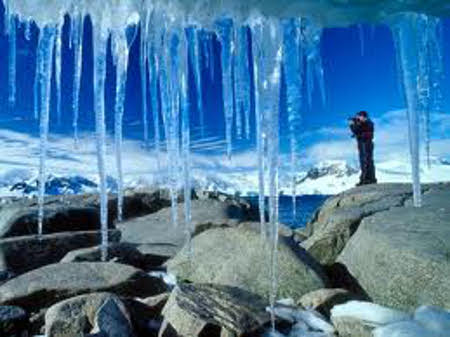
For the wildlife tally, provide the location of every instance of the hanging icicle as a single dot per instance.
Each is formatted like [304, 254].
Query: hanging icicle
[154, 89]
[242, 82]
[46, 51]
[311, 34]
[100, 37]
[406, 36]
[268, 56]
[12, 61]
[185, 138]
[58, 65]
[37, 74]
[143, 68]
[194, 44]
[293, 74]
[77, 44]
[120, 52]
[226, 36]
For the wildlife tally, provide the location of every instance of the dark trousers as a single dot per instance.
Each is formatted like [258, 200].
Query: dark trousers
[365, 148]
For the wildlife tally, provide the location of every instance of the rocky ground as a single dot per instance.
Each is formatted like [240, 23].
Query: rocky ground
[368, 264]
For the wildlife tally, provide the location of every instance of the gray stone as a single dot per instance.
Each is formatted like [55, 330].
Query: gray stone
[239, 257]
[118, 252]
[339, 217]
[351, 327]
[45, 286]
[323, 300]
[24, 253]
[192, 309]
[401, 257]
[156, 230]
[92, 313]
[13, 321]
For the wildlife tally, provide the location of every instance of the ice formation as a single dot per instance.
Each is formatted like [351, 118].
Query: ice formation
[268, 38]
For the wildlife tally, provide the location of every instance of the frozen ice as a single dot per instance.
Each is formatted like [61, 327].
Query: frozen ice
[404, 329]
[433, 318]
[370, 313]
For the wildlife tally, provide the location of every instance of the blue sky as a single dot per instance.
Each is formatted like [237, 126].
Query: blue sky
[355, 80]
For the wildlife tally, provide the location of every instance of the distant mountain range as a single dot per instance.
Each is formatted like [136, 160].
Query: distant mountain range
[327, 178]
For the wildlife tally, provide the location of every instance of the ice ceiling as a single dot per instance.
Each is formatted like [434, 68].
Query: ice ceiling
[328, 13]
[262, 37]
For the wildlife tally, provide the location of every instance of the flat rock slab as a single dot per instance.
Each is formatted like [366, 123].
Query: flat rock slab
[18, 217]
[79, 315]
[401, 257]
[340, 216]
[24, 253]
[157, 229]
[118, 252]
[191, 308]
[43, 287]
[240, 257]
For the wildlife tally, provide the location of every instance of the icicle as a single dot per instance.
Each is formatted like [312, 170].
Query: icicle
[12, 61]
[226, 33]
[120, 52]
[77, 43]
[314, 69]
[405, 34]
[212, 54]
[46, 51]
[100, 37]
[360, 28]
[260, 126]
[27, 30]
[153, 72]
[242, 80]
[194, 44]
[58, 64]
[6, 19]
[293, 68]
[185, 136]
[143, 68]
[37, 74]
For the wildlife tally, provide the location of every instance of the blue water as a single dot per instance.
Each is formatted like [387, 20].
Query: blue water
[305, 207]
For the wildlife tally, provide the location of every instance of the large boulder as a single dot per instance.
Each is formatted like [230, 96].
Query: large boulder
[14, 321]
[240, 257]
[18, 217]
[400, 257]
[24, 253]
[340, 216]
[156, 230]
[45, 286]
[194, 309]
[77, 316]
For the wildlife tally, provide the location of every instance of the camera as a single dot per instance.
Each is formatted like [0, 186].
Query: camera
[353, 119]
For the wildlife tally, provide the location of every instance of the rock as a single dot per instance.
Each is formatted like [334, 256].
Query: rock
[118, 252]
[192, 309]
[400, 257]
[238, 257]
[25, 253]
[45, 286]
[13, 321]
[79, 212]
[350, 327]
[323, 300]
[407, 329]
[157, 302]
[339, 217]
[97, 312]
[157, 228]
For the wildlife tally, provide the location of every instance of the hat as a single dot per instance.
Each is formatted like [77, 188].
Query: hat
[362, 114]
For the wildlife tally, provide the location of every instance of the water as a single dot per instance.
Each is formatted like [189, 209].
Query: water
[306, 205]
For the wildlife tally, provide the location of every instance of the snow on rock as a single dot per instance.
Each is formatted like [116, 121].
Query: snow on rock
[370, 313]
[433, 318]
[404, 329]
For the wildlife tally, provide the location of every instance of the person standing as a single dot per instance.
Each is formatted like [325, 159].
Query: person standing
[362, 129]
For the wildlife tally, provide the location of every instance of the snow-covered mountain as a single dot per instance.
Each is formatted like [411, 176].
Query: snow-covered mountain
[75, 170]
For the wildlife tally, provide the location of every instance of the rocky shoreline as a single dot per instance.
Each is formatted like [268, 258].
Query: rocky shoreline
[367, 264]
